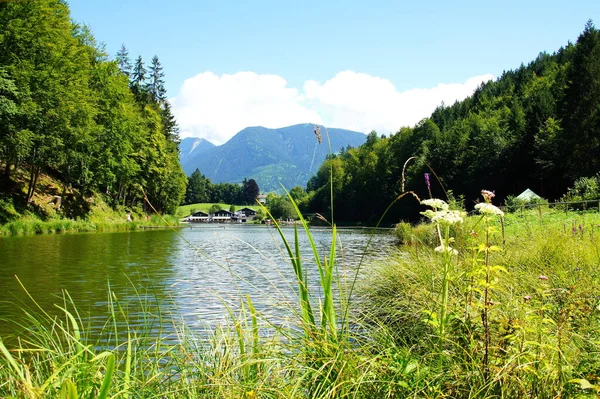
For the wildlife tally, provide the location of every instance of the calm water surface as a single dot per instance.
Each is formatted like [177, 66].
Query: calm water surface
[194, 276]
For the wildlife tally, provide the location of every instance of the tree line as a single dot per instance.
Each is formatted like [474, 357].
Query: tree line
[103, 126]
[536, 127]
[201, 190]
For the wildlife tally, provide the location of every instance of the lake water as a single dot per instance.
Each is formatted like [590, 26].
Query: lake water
[192, 274]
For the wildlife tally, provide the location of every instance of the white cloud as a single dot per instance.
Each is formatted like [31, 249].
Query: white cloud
[217, 107]
[362, 102]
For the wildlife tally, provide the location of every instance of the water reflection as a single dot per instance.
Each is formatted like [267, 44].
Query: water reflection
[197, 275]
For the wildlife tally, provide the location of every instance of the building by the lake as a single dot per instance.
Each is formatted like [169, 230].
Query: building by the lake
[222, 216]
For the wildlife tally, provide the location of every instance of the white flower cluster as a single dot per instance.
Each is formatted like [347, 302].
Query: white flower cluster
[489, 209]
[442, 214]
[435, 204]
[447, 217]
[446, 248]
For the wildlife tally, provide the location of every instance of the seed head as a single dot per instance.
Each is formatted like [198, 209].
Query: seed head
[317, 130]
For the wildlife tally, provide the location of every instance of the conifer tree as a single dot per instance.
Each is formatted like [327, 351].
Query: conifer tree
[138, 80]
[123, 60]
[156, 82]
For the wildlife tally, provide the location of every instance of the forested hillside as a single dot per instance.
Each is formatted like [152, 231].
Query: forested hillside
[286, 157]
[98, 125]
[536, 127]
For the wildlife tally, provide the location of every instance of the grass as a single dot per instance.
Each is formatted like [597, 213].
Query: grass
[514, 314]
[30, 224]
[522, 307]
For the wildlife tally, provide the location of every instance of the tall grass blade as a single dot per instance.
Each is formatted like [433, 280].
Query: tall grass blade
[68, 390]
[11, 360]
[110, 369]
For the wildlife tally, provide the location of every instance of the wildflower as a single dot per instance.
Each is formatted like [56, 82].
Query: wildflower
[447, 217]
[487, 208]
[428, 182]
[543, 278]
[446, 248]
[487, 195]
[527, 298]
[435, 203]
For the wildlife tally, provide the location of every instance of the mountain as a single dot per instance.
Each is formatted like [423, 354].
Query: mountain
[287, 156]
[192, 146]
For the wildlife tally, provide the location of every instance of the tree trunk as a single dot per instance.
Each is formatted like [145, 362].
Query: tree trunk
[35, 172]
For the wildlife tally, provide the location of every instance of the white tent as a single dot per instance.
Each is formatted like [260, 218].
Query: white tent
[528, 195]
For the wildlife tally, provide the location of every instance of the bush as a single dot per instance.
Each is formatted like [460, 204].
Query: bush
[7, 210]
[584, 189]
[403, 231]
[514, 204]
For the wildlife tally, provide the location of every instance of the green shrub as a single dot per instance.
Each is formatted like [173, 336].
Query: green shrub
[584, 189]
[7, 210]
[403, 231]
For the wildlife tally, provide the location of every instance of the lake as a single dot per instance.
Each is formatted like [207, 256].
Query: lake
[192, 274]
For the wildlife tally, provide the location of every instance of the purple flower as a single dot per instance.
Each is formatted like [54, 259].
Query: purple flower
[487, 195]
[428, 182]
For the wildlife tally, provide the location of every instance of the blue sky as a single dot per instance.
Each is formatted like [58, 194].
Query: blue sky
[293, 53]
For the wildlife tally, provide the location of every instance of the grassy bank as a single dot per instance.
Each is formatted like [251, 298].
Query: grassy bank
[512, 313]
[29, 225]
[58, 209]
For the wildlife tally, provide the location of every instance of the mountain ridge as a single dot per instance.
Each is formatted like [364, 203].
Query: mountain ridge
[286, 156]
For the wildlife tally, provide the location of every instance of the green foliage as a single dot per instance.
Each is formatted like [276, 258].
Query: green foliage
[66, 109]
[280, 206]
[534, 127]
[514, 204]
[250, 192]
[403, 231]
[538, 324]
[214, 209]
[584, 189]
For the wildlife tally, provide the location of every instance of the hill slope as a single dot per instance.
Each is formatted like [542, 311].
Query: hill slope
[191, 147]
[536, 127]
[287, 156]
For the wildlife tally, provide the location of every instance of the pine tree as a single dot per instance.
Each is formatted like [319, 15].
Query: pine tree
[138, 79]
[123, 60]
[170, 127]
[156, 84]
